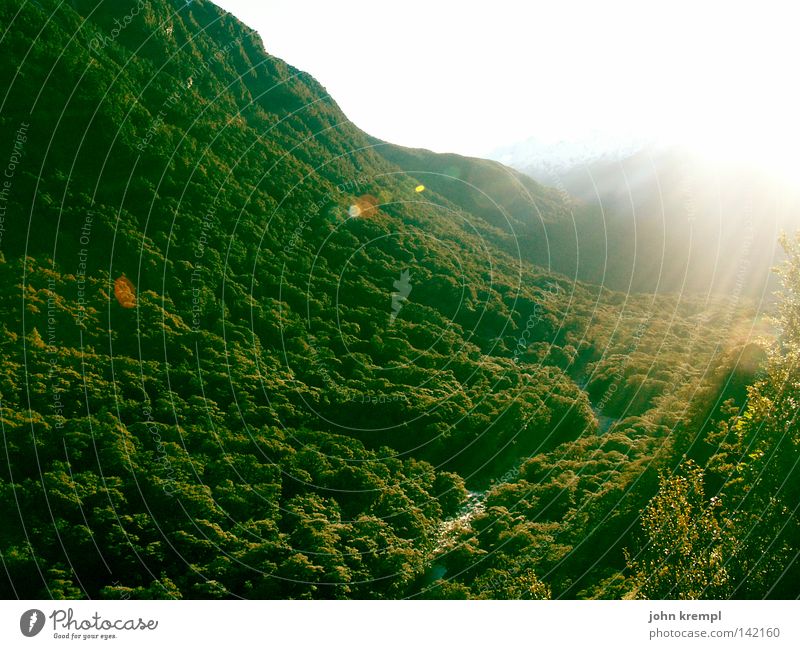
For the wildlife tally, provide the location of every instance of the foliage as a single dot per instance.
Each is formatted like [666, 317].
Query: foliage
[249, 416]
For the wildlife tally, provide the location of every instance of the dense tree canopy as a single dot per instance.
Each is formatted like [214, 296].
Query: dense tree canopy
[243, 356]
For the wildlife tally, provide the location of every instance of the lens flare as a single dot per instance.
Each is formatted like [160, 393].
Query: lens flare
[366, 205]
[125, 292]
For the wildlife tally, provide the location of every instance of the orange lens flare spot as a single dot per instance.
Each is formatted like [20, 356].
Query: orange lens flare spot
[366, 205]
[125, 292]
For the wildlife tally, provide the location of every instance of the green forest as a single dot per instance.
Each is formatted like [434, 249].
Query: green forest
[250, 351]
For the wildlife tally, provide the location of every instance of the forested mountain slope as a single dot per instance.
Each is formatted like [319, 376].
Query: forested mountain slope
[246, 354]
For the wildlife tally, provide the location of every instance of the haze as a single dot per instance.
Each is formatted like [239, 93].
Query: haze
[471, 77]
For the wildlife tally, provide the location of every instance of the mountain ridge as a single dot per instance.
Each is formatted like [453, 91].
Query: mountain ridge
[204, 393]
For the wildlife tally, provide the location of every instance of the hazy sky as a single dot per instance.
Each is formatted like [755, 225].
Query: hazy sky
[471, 76]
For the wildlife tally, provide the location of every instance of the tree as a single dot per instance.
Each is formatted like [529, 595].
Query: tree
[685, 544]
[758, 457]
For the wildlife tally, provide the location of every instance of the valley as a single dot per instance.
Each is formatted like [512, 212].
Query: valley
[250, 351]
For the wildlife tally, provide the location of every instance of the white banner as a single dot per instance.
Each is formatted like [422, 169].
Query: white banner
[380, 625]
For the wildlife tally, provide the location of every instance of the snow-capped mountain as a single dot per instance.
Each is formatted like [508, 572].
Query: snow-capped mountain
[541, 157]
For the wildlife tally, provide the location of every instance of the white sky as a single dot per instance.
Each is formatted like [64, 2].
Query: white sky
[471, 76]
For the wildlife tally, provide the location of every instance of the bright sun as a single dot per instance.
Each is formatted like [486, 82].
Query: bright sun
[764, 137]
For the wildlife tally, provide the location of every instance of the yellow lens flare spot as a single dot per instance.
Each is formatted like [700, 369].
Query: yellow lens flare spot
[125, 292]
[419, 188]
